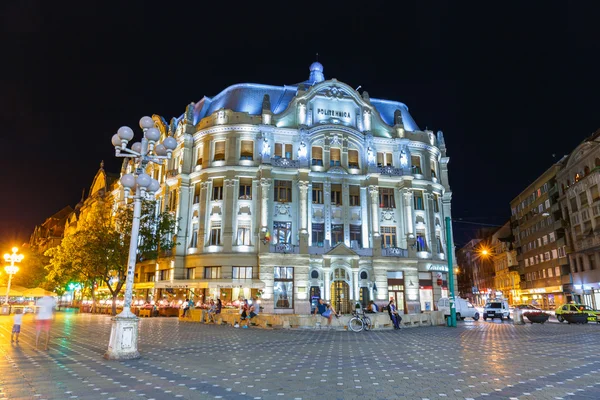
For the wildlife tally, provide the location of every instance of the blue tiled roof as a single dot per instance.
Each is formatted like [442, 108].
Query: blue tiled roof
[248, 97]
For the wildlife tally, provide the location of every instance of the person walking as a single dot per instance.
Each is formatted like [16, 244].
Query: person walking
[394, 316]
[326, 311]
[16, 329]
[43, 318]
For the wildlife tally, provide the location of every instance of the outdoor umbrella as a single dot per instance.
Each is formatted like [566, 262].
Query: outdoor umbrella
[37, 292]
[13, 292]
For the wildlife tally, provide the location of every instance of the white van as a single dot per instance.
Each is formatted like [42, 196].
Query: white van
[464, 309]
[496, 308]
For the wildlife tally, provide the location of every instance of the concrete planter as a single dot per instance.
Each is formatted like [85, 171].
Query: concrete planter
[537, 318]
[580, 318]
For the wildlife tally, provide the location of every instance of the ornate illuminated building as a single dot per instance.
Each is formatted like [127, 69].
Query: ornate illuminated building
[293, 192]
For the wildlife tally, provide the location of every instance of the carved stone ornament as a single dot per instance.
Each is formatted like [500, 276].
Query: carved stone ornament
[388, 215]
[337, 170]
[282, 209]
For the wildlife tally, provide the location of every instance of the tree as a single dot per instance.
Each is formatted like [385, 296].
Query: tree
[31, 270]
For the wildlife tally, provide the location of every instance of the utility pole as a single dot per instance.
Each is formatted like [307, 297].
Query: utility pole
[452, 319]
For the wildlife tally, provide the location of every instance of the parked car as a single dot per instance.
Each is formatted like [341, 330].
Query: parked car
[575, 309]
[496, 309]
[464, 309]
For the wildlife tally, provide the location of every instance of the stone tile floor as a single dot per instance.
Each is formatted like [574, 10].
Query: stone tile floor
[477, 360]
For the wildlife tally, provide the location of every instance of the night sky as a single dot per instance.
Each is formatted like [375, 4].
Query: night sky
[514, 88]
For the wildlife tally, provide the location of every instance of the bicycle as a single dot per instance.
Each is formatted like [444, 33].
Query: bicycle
[359, 321]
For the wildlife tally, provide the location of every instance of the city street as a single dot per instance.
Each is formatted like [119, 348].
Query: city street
[477, 360]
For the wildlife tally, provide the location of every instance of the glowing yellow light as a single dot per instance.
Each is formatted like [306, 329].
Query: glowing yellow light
[15, 249]
[484, 252]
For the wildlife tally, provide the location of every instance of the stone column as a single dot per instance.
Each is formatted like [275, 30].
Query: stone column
[264, 204]
[354, 296]
[204, 214]
[408, 205]
[303, 188]
[374, 192]
[327, 210]
[364, 217]
[228, 214]
[402, 231]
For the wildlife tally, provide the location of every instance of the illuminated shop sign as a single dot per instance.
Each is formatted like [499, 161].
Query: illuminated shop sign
[442, 268]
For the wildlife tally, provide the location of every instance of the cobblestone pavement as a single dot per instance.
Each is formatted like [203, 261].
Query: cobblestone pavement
[477, 360]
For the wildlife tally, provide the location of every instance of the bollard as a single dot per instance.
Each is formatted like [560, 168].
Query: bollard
[518, 317]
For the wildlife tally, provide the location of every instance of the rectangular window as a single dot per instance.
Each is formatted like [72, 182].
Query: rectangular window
[244, 233]
[581, 264]
[386, 198]
[283, 150]
[556, 271]
[551, 237]
[190, 273]
[388, 236]
[547, 204]
[416, 164]
[545, 240]
[418, 200]
[550, 273]
[194, 240]
[317, 156]
[282, 232]
[433, 168]
[217, 189]
[592, 261]
[318, 235]
[421, 243]
[352, 158]
[583, 199]
[219, 151]
[163, 274]
[215, 234]
[546, 256]
[544, 273]
[355, 236]
[354, 195]
[241, 272]
[594, 193]
[283, 191]
[283, 287]
[384, 159]
[554, 254]
[212, 272]
[245, 192]
[527, 262]
[337, 234]
[317, 193]
[439, 244]
[436, 203]
[574, 205]
[335, 159]
[247, 150]
[336, 194]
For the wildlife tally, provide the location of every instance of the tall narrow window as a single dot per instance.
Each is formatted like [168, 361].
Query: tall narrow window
[421, 243]
[318, 235]
[247, 150]
[384, 159]
[439, 245]
[215, 234]
[219, 151]
[433, 168]
[352, 158]
[436, 203]
[388, 236]
[354, 195]
[245, 189]
[416, 164]
[592, 261]
[317, 193]
[282, 232]
[418, 200]
[334, 157]
[217, 189]
[283, 287]
[336, 194]
[386, 198]
[283, 191]
[194, 240]
[355, 236]
[317, 156]
[243, 233]
[337, 234]
[283, 150]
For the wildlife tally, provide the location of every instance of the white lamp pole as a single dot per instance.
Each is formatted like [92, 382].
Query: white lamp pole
[124, 331]
[11, 269]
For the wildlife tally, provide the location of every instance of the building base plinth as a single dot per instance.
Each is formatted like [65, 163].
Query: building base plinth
[123, 339]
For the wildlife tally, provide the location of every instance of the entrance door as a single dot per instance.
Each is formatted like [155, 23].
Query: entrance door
[340, 293]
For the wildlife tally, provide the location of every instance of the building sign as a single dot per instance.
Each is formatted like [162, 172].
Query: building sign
[323, 112]
[549, 289]
[442, 268]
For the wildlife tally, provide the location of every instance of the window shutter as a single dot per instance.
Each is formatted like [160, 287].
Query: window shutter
[220, 150]
[352, 157]
[278, 150]
[317, 153]
[247, 148]
[335, 154]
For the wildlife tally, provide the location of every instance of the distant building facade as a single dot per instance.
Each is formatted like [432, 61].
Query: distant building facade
[539, 232]
[467, 276]
[297, 192]
[506, 268]
[579, 186]
[50, 233]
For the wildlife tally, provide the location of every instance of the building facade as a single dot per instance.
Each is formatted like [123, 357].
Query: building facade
[506, 268]
[50, 233]
[579, 186]
[539, 232]
[468, 268]
[297, 192]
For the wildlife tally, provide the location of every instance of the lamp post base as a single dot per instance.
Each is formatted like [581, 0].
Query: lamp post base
[123, 339]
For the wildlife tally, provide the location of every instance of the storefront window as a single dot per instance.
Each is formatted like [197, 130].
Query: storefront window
[283, 287]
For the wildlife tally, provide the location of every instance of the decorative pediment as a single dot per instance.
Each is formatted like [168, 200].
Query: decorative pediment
[338, 170]
[341, 250]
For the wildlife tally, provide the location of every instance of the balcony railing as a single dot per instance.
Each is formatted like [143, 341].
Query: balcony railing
[394, 252]
[285, 163]
[285, 248]
[172, 173]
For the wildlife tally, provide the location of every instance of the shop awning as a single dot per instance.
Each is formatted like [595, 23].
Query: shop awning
[210, 284]
[143, 285]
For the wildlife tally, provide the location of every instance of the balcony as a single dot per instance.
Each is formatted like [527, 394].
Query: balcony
[285, 163]
[285, 248]
[172, 173]
[514, 268]
[394, 252]
[387, 170]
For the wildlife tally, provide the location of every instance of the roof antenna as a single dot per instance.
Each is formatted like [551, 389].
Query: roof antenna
[359, 86]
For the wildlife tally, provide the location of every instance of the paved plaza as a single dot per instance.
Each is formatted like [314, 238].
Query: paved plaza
[477, 360]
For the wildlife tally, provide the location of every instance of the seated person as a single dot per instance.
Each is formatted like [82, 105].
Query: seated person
[212, 309]
[326, 311]
[251, 312]
[372, 307]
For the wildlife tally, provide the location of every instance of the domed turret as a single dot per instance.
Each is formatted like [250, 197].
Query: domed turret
[316, 73]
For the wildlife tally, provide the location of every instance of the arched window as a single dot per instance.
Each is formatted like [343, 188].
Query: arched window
[364, 275]
[314, 274]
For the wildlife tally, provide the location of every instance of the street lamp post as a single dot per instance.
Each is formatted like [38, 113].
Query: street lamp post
[452, 319]
[11, 269]
[137, 185]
